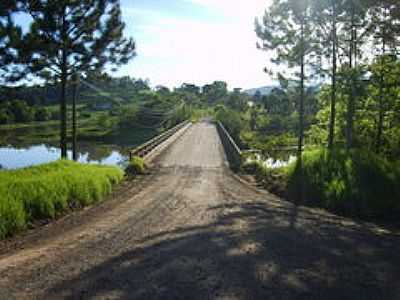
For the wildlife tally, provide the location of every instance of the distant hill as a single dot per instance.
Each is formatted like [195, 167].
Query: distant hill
[264, 90]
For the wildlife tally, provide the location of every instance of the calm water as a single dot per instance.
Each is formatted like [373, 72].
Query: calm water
[274, 163]
[37, 144]
[278, 163]
[14, 158]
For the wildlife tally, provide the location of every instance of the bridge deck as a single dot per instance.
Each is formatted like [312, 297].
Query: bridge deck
[193, 231]
[199, 147]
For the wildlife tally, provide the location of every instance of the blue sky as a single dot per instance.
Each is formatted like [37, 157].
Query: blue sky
[195, 41]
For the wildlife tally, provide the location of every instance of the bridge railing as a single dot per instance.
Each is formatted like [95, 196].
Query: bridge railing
[233, 152]
[144, 149]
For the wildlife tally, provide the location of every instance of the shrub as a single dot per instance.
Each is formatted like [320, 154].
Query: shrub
[136, 166]
[85, 115]
[21, 111]
[47, 190]
[254, 167]
[274, 179]
[5, 117]
[352, 183]
[232, 122]
[42, 114]
[55, 115]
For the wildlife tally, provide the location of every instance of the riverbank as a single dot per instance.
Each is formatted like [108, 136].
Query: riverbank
[43, 192]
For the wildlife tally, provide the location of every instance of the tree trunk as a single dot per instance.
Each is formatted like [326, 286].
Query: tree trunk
[63, 117]
[333, 84]
[74, 125]
[380, 126]
[351, 100]
[381, 114]
[63, 100]
[301, 115]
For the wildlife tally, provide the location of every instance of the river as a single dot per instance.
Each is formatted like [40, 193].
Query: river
[24, 147]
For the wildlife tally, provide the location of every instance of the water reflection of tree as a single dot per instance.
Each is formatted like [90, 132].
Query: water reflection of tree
[96, 152]
[23, 137]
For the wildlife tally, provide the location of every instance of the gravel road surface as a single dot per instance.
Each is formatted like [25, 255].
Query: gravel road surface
[193, 230]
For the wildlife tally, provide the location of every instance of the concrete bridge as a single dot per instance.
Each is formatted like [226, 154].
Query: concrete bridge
[193, 230]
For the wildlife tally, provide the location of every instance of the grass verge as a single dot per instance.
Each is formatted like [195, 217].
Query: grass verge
[43, 192]
[355, 183]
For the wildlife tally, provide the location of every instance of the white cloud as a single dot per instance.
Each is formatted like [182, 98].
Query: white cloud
[176, 50]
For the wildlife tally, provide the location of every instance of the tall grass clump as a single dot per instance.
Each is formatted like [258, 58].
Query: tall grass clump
[44, 191]
[355, 182]
[136, 166]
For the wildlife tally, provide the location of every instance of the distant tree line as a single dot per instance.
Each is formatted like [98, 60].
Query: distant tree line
[18, 111]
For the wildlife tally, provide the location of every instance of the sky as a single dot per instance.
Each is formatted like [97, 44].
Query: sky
[195, 41]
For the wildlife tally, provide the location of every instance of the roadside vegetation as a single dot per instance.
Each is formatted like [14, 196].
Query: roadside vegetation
[359, 183]
[136, 166]
[46, 191]
[336, 107]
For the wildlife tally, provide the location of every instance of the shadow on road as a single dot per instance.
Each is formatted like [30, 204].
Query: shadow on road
[252, 251]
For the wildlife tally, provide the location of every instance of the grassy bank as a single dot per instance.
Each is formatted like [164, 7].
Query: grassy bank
[44, 191]
[356, 183]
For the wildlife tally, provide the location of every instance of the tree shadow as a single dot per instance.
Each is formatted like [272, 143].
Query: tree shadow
[253, 250]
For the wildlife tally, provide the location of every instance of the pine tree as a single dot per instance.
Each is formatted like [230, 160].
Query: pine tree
[385, 27]
[355, 35]
[70, 37]
[10, 40]
[286, 29]
[326, 15]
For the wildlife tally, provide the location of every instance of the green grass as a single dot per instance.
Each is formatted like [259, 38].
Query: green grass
[136, 166]
[44, 191]
[356, 183]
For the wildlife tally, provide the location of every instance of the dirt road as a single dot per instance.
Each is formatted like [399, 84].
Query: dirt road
[192, 230]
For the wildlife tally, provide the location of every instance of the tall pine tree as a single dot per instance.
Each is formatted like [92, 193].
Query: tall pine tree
[286, 30]
[10, 41]
[327, 15]
[355, 35]
[74, 36]
[386, 30]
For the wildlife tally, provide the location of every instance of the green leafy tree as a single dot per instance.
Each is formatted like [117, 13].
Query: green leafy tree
[214, 92]
[73, 36]
[21, 111]
[5, 116]
[42, 114]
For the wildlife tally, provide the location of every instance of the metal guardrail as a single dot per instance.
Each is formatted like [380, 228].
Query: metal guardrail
[233, 152]
[150, 145]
